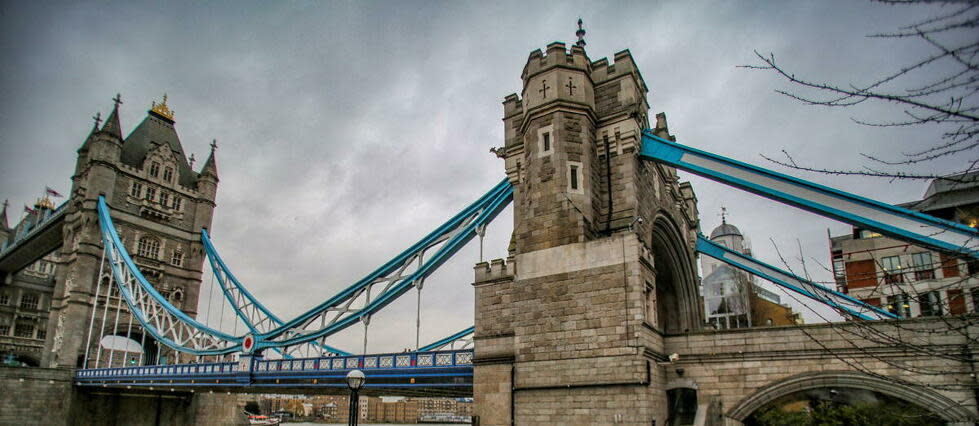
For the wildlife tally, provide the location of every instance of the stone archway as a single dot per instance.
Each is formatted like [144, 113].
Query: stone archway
[678, 305]
[939, 404]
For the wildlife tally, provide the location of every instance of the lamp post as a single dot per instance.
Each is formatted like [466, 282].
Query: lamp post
[355, 379]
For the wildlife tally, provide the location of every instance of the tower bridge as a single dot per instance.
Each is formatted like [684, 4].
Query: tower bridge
[594, 317]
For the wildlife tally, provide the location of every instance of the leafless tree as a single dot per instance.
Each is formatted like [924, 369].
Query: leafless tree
[947, 102]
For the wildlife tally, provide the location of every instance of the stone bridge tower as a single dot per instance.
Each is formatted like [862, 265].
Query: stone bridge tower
[159, 205]
[570, 328]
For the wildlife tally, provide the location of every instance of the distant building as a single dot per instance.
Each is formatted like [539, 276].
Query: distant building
[732, 298]
[26, 296]
[910, 280]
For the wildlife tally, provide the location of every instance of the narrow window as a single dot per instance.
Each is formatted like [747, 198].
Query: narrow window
[923, 267]
[898, 305]
[42, 334]
[154, 169]
[574, 177]
[177, 202]
[931, 304]
[892, 270]
[136, 190]
[168, 174]
[150, 193]
[4, 330]
[177, 259]
[4, 299]
[164, 198]
[547, 142]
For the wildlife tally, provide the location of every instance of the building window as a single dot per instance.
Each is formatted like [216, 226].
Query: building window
[150, 193]
[164, 198]
[4, 329]
[975, 299]
[24, 330]
[154, 169]
[923, 267]
[898, 305]
[892, 269]
[28, 301]
[574, 177]
[839, 272]
[868, 234]
[177, 202]
[136, 190]
[42, 334]
[545, 141]
[931, 304]
[177, 258]
[148, 247]
[650, 300]
[4, 299]
[168, 174]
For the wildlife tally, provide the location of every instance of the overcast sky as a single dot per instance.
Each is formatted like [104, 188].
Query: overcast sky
[347, 130]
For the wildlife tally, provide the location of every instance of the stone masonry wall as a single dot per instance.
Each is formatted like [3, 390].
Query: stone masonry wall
[45, 396]
[732, 365]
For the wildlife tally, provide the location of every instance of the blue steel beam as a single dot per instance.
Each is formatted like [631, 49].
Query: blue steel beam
[224, 275]
[440, 343]
[834, 299]
[894, 221]
[165, 322]
[486, 209]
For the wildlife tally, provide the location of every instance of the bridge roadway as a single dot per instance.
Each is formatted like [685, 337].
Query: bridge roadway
[430, 374]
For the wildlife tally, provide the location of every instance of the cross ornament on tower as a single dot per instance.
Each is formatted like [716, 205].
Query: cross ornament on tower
[191, 160]
[117, 100]
[543, 89]
[214, 144]
[98, 119]
[571, 86]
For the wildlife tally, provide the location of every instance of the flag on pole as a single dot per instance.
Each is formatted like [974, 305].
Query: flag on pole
[29, 210]
[51, 192]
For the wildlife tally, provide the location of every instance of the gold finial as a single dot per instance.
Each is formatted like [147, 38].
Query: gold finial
[162, 109]
[44, 203]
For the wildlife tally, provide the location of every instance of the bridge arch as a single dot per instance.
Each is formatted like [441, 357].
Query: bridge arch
[938, 404]
[677, 301]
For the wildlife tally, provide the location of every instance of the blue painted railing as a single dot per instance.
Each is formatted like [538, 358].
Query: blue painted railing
[391, 363]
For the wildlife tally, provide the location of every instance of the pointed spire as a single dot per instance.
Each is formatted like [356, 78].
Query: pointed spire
[95, 128]
[210, 166]
[3, 216]
[112, 125]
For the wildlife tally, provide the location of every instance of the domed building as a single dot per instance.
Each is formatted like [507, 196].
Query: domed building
[732, 297]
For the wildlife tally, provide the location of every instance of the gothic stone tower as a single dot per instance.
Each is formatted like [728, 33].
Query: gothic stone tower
[159, 205]
[569, 328]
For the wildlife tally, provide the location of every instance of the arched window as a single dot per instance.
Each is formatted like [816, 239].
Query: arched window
[148, 247]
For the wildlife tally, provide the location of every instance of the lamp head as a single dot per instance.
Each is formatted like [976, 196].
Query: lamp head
[356, 379]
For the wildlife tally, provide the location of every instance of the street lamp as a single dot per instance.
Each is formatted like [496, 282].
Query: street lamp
[355, 379]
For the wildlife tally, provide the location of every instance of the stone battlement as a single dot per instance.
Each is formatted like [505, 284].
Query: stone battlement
[494, 270]
[557, 55]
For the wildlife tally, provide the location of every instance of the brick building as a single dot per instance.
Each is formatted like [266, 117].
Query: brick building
[910, 280]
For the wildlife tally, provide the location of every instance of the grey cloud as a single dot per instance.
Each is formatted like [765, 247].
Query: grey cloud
[349, 129]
